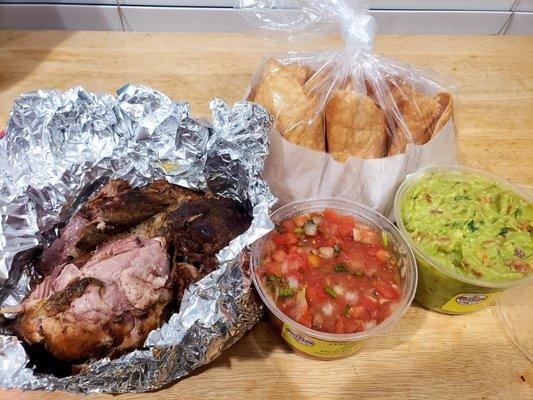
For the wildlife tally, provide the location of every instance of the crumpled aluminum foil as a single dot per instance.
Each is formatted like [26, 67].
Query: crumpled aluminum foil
[60, 147]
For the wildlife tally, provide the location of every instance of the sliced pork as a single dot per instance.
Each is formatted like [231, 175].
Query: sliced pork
[106, 307]
[117, 207]
[196, 231]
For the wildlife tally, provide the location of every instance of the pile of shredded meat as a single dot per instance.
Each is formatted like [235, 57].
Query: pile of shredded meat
[121, 266]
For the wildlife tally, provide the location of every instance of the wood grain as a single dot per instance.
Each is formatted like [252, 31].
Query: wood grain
[427, 355]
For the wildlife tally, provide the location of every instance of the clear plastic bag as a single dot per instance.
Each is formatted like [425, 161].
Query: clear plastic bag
[347, 103]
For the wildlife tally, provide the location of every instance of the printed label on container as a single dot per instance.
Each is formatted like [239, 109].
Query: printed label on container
[317, 347]
[468, 302]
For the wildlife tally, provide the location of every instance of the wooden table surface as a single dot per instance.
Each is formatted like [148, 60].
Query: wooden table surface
[427, 355]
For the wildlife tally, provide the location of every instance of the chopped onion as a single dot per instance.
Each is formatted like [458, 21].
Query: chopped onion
[317, 219]
[356, 234]
[338, 289]
[327, 308]
[326, 252]
[352, 297]
[293, 282]
[310, 228]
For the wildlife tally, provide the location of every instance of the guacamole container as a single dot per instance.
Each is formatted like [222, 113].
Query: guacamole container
[439, 288]
[315, 344]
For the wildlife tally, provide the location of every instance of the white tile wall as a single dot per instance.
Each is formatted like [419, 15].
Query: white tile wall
[450, 5]
[16, 15]
[68, 17]
[521, 24]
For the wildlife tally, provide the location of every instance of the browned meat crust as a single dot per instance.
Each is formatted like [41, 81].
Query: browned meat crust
[76, 315]
[117, 207]
[201, 228]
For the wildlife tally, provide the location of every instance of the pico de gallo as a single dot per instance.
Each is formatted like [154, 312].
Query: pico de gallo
[330, 273]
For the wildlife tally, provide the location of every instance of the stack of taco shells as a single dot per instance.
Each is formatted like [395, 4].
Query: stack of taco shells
[352, 131]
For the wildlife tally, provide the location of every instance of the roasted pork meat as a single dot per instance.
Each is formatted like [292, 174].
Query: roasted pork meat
[116, 208]
[196, 231]
[106, 307]
[201, 228]
[121, 265]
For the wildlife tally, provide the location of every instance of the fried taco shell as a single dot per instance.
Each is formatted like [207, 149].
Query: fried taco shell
[421, 117]
[355, 126]
[295, 112]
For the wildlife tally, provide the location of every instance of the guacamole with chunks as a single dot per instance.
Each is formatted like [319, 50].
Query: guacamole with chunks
[470, 225]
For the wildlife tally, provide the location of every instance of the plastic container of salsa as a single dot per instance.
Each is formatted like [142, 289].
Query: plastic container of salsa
[322, 344]
[444, 288]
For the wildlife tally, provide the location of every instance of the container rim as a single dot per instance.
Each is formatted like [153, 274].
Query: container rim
[412, 179]
[371, 217]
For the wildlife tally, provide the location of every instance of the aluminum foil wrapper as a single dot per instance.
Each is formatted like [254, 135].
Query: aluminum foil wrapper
[60, 147]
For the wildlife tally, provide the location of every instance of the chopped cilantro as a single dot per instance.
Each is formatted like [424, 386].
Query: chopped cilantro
[340, 268]
[346, 310]
[273, 278]
[471, 225]
[329, 291]
[504, 231]
[286, 292]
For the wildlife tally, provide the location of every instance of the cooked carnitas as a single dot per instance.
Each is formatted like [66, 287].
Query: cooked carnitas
[117, 207]
[121, 265]
[103, 308]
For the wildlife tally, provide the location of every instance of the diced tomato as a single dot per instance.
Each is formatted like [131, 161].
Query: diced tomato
[278, 239]
[330, 215]
[369, 237]
[278, 256]
[299, 221]
[305, 319]
[284, 238]
[386, 290]
[296, 261]
[291, 238]
[382, 255]
[345, 225]
[521, 267]
[289, 225]
[315, 293]
[269, 247]
[352, 325]
[368, 302]
[357, 312]
[271, 268]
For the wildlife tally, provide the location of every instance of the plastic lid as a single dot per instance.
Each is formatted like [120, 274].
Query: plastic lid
[513, 311]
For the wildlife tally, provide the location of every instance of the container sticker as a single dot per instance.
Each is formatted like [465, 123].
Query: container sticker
[468, 302]
[318, 347]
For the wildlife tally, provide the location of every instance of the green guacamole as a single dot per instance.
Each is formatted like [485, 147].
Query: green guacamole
[470, 225]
